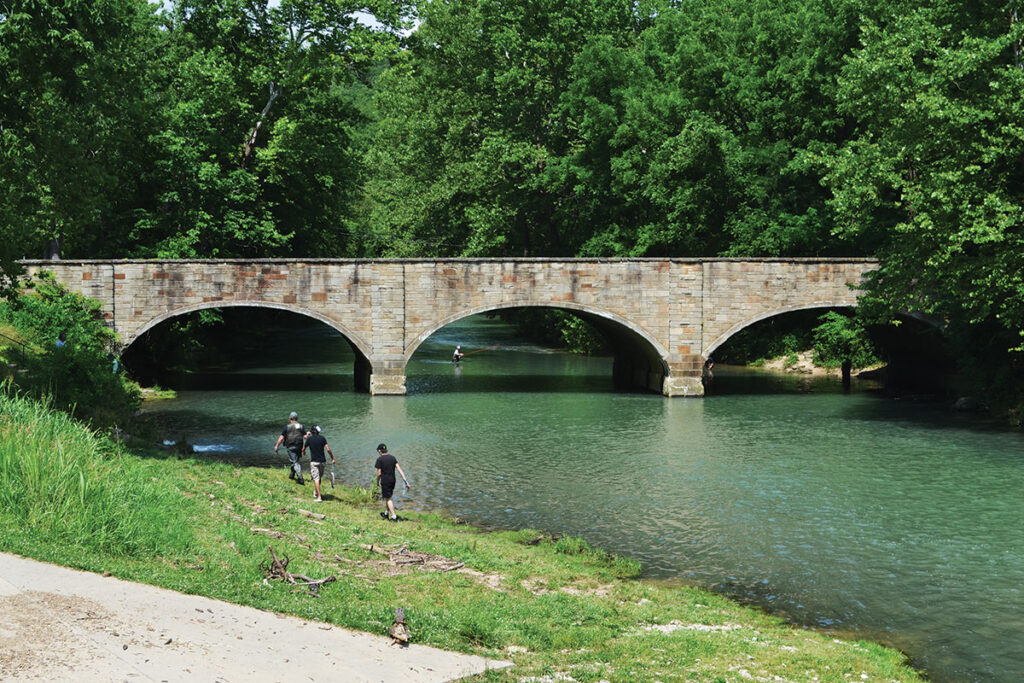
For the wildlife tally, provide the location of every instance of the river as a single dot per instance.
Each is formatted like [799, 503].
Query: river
[862, 515]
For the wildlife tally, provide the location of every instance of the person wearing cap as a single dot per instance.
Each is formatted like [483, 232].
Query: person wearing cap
[457, 356]
[386, 465]
[317, 444]
[292, 436]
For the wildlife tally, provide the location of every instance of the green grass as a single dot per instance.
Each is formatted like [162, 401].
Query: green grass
[552, 607]
[158, 393]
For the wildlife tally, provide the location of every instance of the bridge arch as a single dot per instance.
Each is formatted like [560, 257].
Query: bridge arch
[363, 366]
[710, 348]
[640, 359]
[358, 344]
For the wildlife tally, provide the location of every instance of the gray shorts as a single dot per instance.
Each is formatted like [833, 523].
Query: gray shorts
[316, 470]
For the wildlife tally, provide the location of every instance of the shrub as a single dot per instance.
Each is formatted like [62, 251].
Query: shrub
[79, 377]
[840, 338]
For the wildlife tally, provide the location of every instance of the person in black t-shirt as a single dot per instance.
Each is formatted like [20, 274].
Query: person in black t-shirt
[317, 444]
[386, 465]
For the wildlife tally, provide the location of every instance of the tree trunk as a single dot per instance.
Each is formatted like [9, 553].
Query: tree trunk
[250, 141]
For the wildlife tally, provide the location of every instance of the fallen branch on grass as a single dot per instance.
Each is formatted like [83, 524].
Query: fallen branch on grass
[278, 569]
[268, 532]
[278, 534]
[403, 557]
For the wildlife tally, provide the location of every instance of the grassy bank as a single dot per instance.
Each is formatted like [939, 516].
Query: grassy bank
[550, 606]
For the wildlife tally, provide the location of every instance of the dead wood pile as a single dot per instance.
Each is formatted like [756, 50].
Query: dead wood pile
[403, 557]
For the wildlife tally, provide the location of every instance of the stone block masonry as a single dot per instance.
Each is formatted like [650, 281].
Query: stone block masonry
[662, 317]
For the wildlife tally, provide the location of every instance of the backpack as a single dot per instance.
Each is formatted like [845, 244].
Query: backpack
[293, 437]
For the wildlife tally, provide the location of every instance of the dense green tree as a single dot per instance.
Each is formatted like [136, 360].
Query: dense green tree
[708, 144]
[933, 174]
[78, 376]
[842, 339]
[74, 116]
[202, 128]
[257, 155]
[610, 128]
[471, 132]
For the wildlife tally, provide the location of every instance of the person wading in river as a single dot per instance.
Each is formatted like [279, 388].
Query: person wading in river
[317, 444]
[386, 465]
[292, 435]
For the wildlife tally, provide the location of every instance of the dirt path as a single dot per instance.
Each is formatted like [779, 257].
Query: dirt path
[87, 627]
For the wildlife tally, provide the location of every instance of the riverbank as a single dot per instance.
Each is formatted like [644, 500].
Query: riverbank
[555, 607]
[157, 393]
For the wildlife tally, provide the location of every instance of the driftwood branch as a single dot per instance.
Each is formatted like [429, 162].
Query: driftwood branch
[278, 534]
[278, 569]
[268, 532]
[403, 557]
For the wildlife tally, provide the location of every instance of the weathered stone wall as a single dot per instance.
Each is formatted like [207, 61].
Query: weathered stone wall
[672, 313]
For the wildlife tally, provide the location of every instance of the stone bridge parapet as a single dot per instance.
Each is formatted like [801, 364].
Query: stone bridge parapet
[662, 317]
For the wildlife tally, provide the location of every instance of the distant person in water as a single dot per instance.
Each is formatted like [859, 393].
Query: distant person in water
[317, 444]
[386, 465]
[292, 436]
[457, 356]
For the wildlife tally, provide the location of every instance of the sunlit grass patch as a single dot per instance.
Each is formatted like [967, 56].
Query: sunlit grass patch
[60, 481]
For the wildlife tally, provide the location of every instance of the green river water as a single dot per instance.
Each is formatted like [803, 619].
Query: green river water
[854, 513]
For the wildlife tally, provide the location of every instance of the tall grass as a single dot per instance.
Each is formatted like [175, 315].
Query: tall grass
[59, 479]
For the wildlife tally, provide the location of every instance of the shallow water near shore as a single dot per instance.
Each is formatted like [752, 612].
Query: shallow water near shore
[882, 519]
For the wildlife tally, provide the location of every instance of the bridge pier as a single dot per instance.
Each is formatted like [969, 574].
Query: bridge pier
[387, 379]
[684, 378]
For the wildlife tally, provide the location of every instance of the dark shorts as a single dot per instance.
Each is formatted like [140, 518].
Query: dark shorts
[387, 488]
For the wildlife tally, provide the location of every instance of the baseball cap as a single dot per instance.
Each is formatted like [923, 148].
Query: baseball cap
[316, 429]
[381, 447]
[292, 415]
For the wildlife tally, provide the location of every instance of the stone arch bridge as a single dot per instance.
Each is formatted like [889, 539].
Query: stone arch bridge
[662, 317]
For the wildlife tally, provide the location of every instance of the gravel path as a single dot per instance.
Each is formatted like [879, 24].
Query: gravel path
[87, 627]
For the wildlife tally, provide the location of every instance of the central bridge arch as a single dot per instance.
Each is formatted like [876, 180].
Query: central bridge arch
[639, 359]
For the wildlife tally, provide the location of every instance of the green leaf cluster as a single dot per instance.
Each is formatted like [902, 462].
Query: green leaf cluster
[191, 129]
[842, 339]
[931, 175]
[78, 377]
[610, 128]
